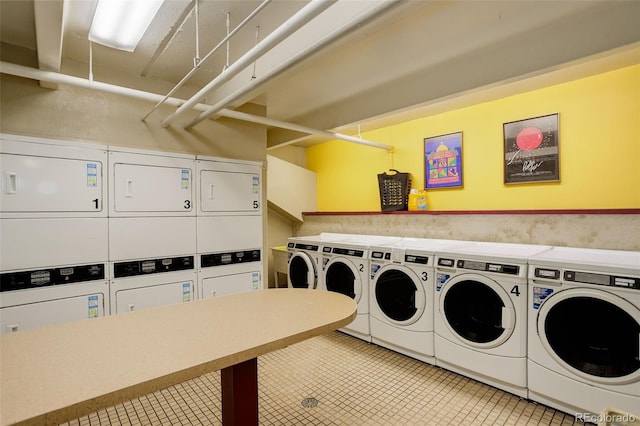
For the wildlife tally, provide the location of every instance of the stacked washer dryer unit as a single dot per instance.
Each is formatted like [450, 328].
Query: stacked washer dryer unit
[345, 268]
[584, 330]
[304, 257]
[152, 229]
[229, 226]
[481, 317]
[53, 232]
[401, 296]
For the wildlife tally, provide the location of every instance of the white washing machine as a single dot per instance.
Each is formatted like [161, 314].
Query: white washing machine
[345, 268]
[584, 330]
[40, 297]
[229, 226]
[226, 273]
[149, 283]
[401, 295]
[304, 257]
[151, 205]
[480, 323]
[53, 232]
[152, 229]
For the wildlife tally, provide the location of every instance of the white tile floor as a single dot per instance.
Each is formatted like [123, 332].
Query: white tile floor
[352, 383]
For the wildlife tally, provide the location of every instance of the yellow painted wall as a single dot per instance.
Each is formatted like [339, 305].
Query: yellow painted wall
[599, 137]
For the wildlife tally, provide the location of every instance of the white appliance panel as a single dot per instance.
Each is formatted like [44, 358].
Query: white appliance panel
[226, 233]
[139, 188]
[150, 296]
[49, 312]
[230, 284]
[146, 183]
[225, 191]
[33, 184]
[33, 243]
[142, 237]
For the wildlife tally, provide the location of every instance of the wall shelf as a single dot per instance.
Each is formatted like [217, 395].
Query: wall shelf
[480, 212]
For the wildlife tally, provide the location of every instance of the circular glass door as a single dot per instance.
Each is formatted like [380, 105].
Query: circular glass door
[477, 311]
[342, 276]
[593, 334]
[399, 296]
[302, 271]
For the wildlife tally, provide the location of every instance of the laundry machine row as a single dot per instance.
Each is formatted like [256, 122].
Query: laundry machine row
[560, 326]
[67, 206]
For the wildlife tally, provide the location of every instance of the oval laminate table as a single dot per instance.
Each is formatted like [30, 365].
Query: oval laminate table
[58, 373]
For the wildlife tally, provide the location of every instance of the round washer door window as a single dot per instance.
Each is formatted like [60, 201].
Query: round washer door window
[399, 296]
[302, 271]
[593, 334]
[342, 276]
[477, 310]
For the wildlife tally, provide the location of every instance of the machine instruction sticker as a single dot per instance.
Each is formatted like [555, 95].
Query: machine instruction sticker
[93, 305]
[539, 296]
[92, 175]
[374, 270]
[255, 280]
[255, 184]
[325, 262]
[441, 279]
[186, 292]
[185, 179]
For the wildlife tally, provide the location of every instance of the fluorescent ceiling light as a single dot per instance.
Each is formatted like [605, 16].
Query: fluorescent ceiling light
[122, 23]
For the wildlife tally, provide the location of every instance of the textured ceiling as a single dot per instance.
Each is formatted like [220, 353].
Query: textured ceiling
[404, 57]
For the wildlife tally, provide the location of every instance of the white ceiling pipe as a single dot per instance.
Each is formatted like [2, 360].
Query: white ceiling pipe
[302, 129]
[54, 77]
[306, 14]
[201, 62]
[271, 74]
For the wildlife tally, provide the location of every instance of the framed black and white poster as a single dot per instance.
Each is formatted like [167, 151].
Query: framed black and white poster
[531, 150]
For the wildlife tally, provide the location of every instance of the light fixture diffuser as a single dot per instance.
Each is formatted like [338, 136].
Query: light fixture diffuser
[122, 23]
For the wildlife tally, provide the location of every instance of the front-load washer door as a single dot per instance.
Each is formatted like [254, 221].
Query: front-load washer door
[399, 295]
[477, 310]
[593, 334]
[302, 271]
[342, 276]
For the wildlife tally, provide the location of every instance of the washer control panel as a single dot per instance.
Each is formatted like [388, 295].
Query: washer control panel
[344, 251]
[53, 276]
[303, 246]
[229, 258]
[477, 265]
[152, 266]
[588, 278]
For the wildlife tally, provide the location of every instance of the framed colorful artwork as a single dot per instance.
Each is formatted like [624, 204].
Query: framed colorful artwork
[531, 150]
[443, 161]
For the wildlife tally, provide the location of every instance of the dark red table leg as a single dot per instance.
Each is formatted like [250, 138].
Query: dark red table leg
[240, 394]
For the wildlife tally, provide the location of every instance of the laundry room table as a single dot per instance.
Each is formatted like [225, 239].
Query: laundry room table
[58, 373]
